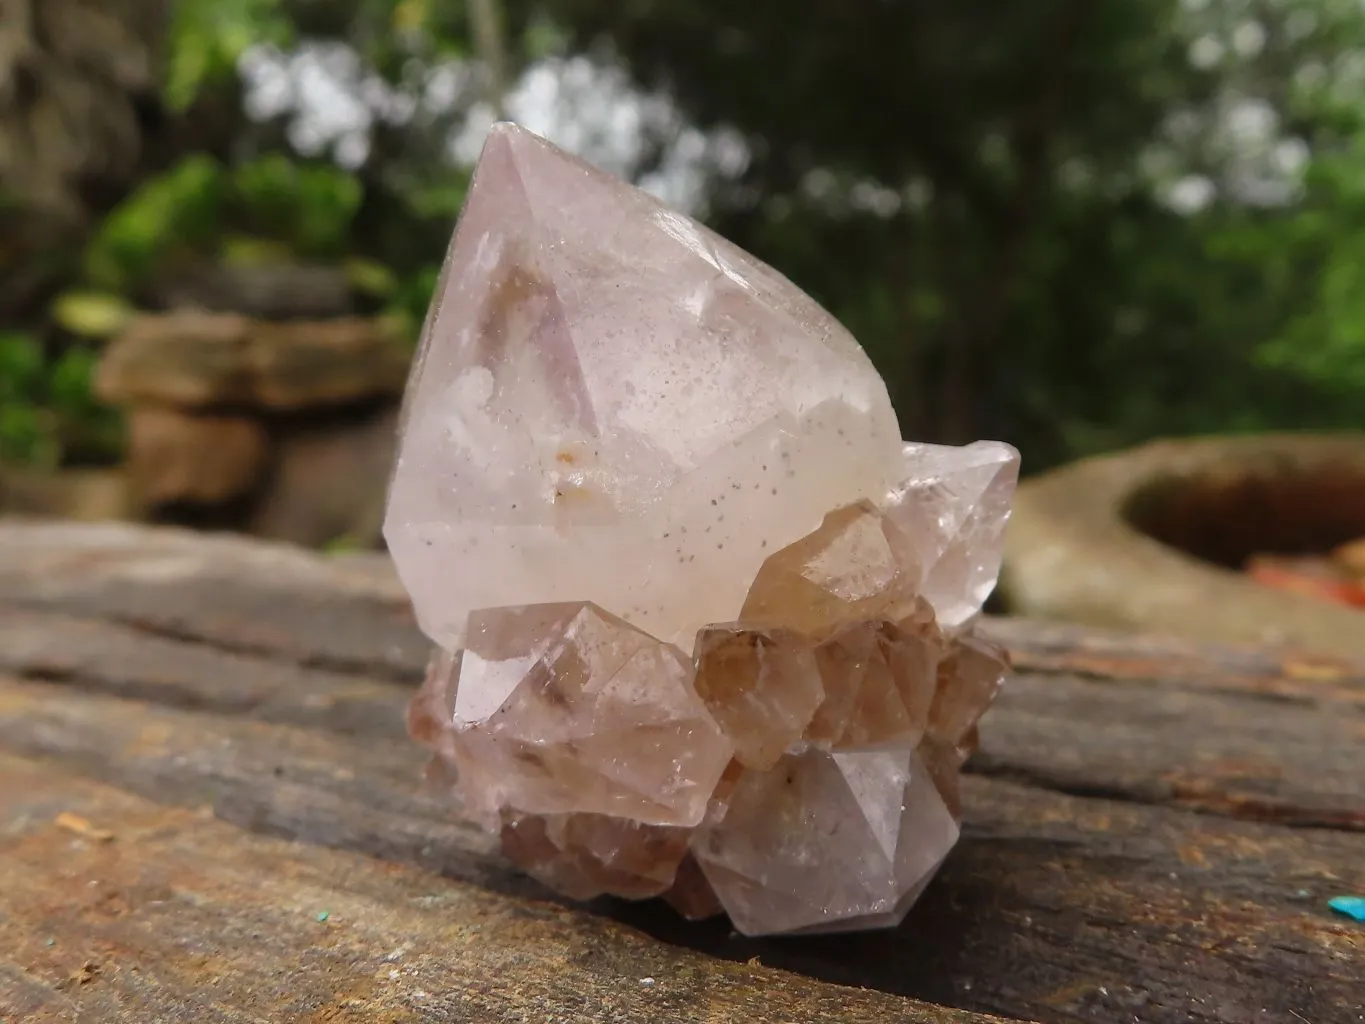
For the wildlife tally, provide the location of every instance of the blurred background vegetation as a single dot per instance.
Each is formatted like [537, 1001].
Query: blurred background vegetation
[1072, 224]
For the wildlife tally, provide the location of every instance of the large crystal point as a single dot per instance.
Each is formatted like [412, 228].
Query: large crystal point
[613, 404]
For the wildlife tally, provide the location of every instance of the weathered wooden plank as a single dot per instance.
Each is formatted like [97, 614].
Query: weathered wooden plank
[180, 917]
[1066, 909]
[268, 685]
[238, 594]
[119, 658]
[1168, 739]
[1044, 648]
[1053, 908]
[1146, 740]
[300, 783]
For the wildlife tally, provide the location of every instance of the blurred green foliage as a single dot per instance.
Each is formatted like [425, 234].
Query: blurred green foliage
[199, 206]
[47, 410]
[1038, 277]
[987, 193]
[206, 40]
[235, 191]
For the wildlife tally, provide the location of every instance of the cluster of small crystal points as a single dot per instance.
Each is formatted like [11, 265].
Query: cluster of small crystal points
[703, 621]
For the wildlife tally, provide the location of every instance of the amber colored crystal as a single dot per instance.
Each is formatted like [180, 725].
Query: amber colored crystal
[969, 679]
[761, 686]
[692, 895]
[858, 565]
[879, 680]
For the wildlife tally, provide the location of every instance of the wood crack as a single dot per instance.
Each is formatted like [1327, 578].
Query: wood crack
[1178, 796]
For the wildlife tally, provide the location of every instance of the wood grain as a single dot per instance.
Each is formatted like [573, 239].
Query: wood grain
[180, 917]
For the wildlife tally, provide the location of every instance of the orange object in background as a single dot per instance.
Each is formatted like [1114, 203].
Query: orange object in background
[1351, 557]
[1320, 577]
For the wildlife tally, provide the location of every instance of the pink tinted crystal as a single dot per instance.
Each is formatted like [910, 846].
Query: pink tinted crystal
[703, 620]
[611, 403]
[955, 502]
[564, 709]
[827, 841]
[587, 855]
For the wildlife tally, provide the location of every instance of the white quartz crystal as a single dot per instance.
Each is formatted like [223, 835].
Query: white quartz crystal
[954, 503]
[613, 404]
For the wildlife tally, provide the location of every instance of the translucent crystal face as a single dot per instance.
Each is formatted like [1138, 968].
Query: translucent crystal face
[703, 620]
[955, 503]
[613, 404]
[827, 840]
[565, 709]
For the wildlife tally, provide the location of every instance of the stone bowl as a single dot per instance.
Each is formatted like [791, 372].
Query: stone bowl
[1153, 539]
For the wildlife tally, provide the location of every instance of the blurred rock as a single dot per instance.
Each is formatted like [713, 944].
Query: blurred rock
[1351, 557]
[1154, 539]
[176, 456]
[84, 495]
[271, 292]
[196, 360]
[329, 483]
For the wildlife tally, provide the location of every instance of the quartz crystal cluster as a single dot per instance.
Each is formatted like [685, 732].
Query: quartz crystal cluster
[702, 620]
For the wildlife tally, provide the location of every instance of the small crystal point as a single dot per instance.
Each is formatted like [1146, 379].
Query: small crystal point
[612, 403]
[880, 680]
[858, 565]
[956, 502]
[692, 895]
[762, 687]
[827, 841]
[568, 709]
[432, 711]
[969, 679]
[703, 621]
[588, 855]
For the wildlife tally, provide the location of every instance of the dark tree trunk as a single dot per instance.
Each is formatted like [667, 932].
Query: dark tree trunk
[78, 85]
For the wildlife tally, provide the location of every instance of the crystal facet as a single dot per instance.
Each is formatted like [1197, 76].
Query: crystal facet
[564, 709]
[762, 686]
[826, 840]
[857, 566]
[956, 501]
[880, 681]
[703, 621]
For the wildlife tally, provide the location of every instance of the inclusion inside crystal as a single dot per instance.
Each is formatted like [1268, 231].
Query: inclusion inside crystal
[703, 622]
